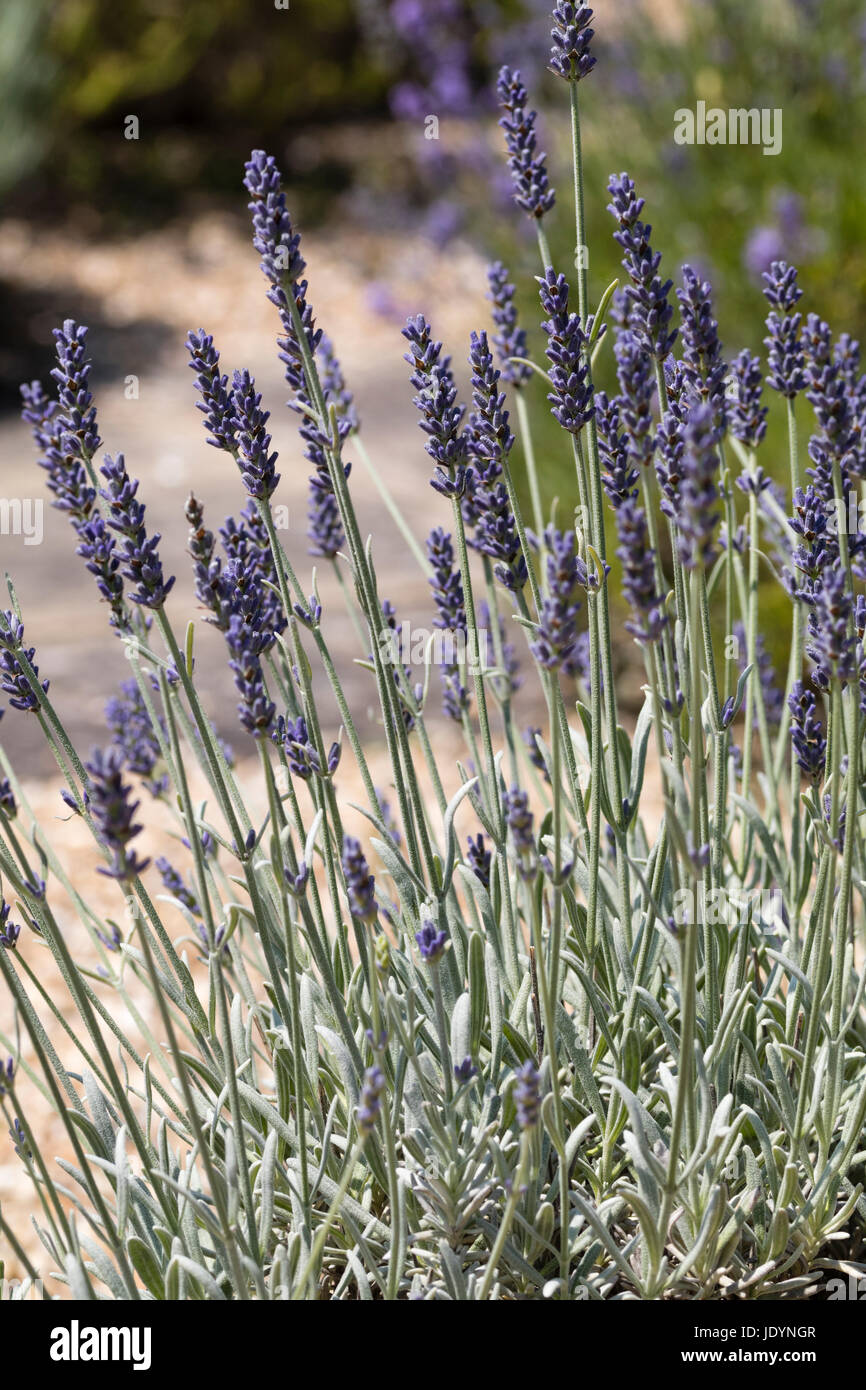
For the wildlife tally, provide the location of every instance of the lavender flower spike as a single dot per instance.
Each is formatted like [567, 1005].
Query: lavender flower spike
[571, 397]
[532, 192]
[557, 621]
[509, 338]
[527, 1095]
[570, 39]
[360, 884]
[114, 813]
[441, 416]
[248, 420]
[13, 679]
[212, 386]
[748, 418]
[140, 556]
[698, 493]
[648, 295]
[785, 357]
[807, 736]
[370, 1107]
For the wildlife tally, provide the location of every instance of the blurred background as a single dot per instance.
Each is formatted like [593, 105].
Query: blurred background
[124, 131]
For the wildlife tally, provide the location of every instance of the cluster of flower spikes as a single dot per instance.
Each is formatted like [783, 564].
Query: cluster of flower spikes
[66, 437]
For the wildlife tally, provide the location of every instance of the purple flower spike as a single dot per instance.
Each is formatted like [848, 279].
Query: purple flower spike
[370, 1107]
[135, 737]
[785, 356]
[557, 621]
[113, 813]
[807, 735]
[140, 556]
[831, 647]
[532, 191]
[648, 296]
[527, 1095]
[441, 416]
[431, 943]
[748, 418]
[697, 492]
[77, 414]
[360, 884]
[248, 420]
[213, 387]
[9, 932]
[67, 476]
[703, 367]
[509, 338]
[570, 39]
[571, 398]
[13, 680]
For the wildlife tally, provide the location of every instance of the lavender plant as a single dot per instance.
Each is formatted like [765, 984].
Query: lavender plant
[593, 1026]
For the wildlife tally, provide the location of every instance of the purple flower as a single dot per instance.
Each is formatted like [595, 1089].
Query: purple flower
[9, 932]
[446, 583]
[478, 858]
[8, 804]
[518, 819]
[831, 646]
[431, 943]
[637, 386]
[174, 884]
[441, 416]
[650, 311]
[76, 417]
[67, 476]
[370, 1107]
[246, 642]
[113, 812]
[7, 1076]
[807, 735]
[527, 1095]
[571, 397]
[360, 884]
[532, 191]
[748, 418]
[13, 680]
[557, 620]
[703, 366]
[464, 1071]
[698, 494]
[250, 576]
[140, 556]
[134, 736]
[301, 751]
[785, 356]
[570, 39]
[248, 420]
[492, 439]
[638, 571]
[212, 588]
[509, 338]
[216, 398]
